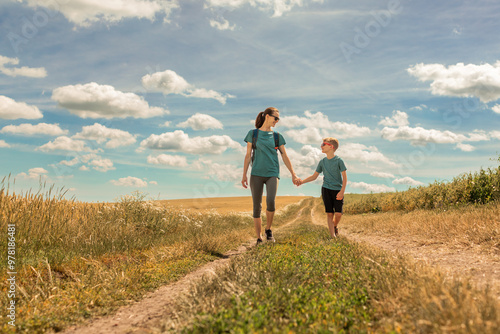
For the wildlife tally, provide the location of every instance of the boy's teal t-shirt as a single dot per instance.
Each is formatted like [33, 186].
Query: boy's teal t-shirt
[266, 163]
[332, 169]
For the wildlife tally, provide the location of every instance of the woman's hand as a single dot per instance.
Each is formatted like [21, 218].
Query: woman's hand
[244, 182]
[296, 180]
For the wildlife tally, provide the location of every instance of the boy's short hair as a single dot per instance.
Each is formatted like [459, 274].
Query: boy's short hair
[333, 141]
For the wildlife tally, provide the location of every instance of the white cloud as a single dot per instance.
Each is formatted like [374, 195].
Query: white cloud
[421, 136]
[84, 168]
[407, 181]
[495, 134]
[71, 162]
[478, 135]
[169, 82]
[362, 153]
[10, 109]
[306, 160]
[130, 181]
[278, 7]
[382, 175]
[419, 108]
[496, 108]
[38, 129]
[3, 144]
[85, 12]
[168, 160]
[34, 173]
[465, 147]
[178, 141]
[100, 133]
[20, 71]
[481, 81]
[398, 118]
[201, 122]
[64, 143]
[222, 172]
[318, 126]
[102, 165]
[305, 136]
[102, 101]
[222, 24]
[153, 183]
[370, 188]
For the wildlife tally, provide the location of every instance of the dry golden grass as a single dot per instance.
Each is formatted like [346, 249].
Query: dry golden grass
[476, 227]
[225, 205]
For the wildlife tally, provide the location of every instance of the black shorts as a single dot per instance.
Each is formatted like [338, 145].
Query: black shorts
[332, 204]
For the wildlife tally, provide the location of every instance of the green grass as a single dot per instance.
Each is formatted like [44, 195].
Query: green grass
[476, 188]
[308, 284]
[77, 260]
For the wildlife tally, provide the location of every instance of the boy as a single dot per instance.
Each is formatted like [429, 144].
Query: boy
[334, 183]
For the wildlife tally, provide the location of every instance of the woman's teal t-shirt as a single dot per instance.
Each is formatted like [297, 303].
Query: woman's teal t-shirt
[266, 163]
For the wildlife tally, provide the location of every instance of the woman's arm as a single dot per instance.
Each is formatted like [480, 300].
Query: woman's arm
[246, 163]
[288, 164]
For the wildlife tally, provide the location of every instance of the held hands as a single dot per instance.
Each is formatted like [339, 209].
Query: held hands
[297, 181]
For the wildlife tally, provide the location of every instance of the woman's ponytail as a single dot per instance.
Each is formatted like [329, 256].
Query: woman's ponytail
[259, 121]
[261, 117]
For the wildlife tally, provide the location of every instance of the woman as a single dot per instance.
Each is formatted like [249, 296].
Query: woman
[265, 167]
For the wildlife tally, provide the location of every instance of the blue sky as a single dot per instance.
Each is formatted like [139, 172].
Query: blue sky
[157, 96]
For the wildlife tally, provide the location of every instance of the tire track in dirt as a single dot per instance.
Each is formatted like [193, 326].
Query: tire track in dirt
[483, 270]
[148, 314]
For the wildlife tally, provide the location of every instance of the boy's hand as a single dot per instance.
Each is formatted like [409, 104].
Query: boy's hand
[297, 181]
[340, 195]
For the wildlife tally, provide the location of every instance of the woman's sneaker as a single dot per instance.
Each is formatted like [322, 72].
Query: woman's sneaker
[336, 230]
[259, 242]
[269, 236]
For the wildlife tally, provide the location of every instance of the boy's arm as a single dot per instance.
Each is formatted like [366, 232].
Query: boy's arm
[340, 195]
[311, 178]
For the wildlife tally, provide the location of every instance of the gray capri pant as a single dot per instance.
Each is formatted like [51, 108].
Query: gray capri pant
[257, 187]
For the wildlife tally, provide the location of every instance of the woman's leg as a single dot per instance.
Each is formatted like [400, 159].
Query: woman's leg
[257, 187]
[271, 191]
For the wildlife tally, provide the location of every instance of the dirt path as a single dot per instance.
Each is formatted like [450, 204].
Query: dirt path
[483, 270]
[148, 314]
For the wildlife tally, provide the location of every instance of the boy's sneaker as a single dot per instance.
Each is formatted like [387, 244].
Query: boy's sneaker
[336, 231]
[259, 242]
[269, 236]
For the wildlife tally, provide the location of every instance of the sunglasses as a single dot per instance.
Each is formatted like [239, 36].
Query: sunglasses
[276, 118]
[326, 144]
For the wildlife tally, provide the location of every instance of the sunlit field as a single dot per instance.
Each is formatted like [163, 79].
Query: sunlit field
[77, 260]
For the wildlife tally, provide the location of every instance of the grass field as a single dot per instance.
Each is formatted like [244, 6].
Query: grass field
[77, 260]
[224, 205]
[306, 283]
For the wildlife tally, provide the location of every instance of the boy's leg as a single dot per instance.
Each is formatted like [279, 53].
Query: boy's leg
[328, 201]
[331, 228]
[338, 206]
[336, 221]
